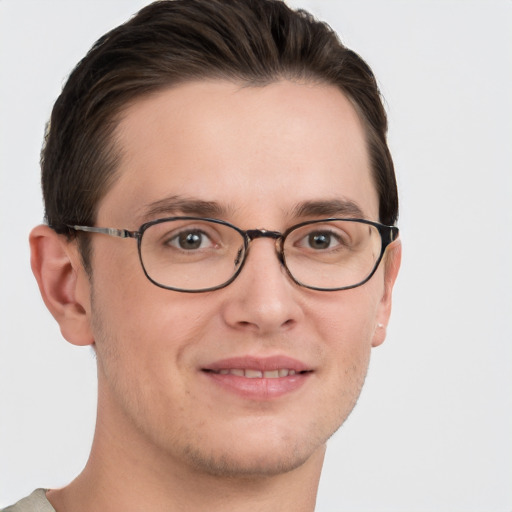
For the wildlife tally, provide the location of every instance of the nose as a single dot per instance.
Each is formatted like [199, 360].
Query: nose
[262, 299]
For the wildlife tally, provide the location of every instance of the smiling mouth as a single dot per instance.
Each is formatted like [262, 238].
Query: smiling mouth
[257, 374]
[258, 378]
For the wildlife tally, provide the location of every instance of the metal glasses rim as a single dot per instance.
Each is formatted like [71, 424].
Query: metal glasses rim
[247, 236]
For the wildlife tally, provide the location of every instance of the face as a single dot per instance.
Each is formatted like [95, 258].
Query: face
[251, 156]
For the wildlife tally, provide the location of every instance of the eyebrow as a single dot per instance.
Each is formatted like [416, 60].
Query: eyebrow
[330, 208]
[178, 205]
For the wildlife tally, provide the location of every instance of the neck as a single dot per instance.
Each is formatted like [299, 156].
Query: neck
[126, 473]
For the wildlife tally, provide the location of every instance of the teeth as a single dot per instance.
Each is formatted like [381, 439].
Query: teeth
[257, 374]
[253, 374]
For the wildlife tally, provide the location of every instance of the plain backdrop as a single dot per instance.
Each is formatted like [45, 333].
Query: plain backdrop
[433, 427]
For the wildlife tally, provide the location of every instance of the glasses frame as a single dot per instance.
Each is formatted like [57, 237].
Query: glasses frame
[388, 234]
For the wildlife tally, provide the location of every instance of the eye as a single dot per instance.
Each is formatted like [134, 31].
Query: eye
[327, 237]
[320, 240]
[190, 240]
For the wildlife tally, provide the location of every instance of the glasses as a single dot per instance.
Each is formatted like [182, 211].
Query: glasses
[193, 254]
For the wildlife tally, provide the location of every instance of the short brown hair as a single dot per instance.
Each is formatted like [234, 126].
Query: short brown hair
[254, 42]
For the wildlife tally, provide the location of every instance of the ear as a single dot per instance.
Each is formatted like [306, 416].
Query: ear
[393, 257]
[63, 283]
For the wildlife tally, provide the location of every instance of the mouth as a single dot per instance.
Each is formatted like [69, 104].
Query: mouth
[259, 378]
[249, 373]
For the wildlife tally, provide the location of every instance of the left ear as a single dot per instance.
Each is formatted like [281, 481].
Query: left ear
[392, 260]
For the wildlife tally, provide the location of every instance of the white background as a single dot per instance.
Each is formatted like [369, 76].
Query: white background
[433, 428]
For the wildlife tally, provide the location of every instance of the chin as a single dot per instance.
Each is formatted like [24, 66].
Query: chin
[243, 465]
[263, 453]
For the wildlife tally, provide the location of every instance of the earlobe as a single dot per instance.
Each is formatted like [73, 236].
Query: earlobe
[63, 283]
[391, 263]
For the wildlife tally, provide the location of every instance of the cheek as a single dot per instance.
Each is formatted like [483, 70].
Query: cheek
[349, 318]
[347, 327]
[144, 360]
[144, 332]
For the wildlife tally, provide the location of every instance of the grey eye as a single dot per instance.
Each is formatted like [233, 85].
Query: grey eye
[319, 240]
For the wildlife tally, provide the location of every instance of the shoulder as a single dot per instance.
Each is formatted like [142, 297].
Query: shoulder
[36, 502]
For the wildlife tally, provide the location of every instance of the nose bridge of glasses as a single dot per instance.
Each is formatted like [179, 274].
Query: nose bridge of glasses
[263, 233]
[252, 234]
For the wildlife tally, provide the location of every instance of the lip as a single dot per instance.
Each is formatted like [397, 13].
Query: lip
[259, 388]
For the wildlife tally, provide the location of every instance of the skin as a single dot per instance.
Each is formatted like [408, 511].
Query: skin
[168, 438]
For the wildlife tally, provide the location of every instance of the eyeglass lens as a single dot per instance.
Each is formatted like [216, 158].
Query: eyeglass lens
[197, 254]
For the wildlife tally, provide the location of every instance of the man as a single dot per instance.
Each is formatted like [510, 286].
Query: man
[220, 204]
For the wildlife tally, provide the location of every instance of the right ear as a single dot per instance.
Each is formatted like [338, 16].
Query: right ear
[63, 283]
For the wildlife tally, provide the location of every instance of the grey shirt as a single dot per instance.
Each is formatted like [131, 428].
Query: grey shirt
[36, 502]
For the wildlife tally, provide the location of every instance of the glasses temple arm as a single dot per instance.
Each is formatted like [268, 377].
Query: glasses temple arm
[121, 233]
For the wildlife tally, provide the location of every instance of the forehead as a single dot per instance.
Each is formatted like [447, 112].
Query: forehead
[244, 148]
